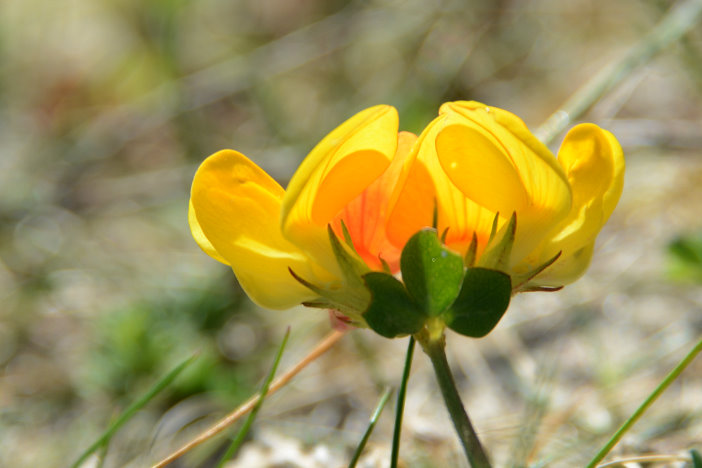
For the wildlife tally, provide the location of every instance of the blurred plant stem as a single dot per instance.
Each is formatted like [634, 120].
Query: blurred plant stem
[680, 19]
[669, 379]
[434, 347]
[322, 347]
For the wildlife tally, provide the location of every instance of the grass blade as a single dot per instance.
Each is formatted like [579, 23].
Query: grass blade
[236, 443]
[132, 409]
[371, 425]
[669, 379]
[400, 408]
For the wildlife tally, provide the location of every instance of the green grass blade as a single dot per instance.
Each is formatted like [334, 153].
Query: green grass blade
[669, 379]
[132, 409]
[400, 408]
[696, 458]
[239, 439]
[371, 425]
[681, 18]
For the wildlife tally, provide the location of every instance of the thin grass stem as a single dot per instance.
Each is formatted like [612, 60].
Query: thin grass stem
[400, 407]
[236, 443]
[680, 19]
[322, 347]
[669, 379]
[371, 425]
[104, 439]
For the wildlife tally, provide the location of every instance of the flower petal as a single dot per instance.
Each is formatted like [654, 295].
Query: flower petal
[335, 172]
[594, 163]
[366, 215]
[200, 237]
[493, 159]
[236, 209]
[428, 187]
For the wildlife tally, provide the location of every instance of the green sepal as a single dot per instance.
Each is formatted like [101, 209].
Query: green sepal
[520, 282]
[431, 272]
[351, 297]
[499, 249]
[528, 288]
[481, 303]
[350, 264]
[391, 311]
[472, 252]
[347, 236]
[350, 304]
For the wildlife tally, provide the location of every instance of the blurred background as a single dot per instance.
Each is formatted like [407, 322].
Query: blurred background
[106, 109]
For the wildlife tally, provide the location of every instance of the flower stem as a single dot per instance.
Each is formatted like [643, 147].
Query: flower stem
[670, 378]
[434, 348]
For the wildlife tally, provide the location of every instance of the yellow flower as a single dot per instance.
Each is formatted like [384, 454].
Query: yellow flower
[477, 161]
[471, 164]
[240, 216]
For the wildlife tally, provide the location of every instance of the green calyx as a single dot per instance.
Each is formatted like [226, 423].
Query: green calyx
[439, 288]
[437, 292]
[351, 297]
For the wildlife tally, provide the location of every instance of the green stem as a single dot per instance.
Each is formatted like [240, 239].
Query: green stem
[670, 378]
[680, 19]
[434, 348]
[400, 409]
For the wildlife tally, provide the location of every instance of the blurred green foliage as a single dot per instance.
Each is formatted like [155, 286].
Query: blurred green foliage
[143, 340]
[685, 253]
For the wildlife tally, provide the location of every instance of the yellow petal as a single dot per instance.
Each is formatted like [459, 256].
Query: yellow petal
[427, 186]
[335, 172]
[594, 163]
[200, 237]
[236, 207]
[493, 159]
[481, 169]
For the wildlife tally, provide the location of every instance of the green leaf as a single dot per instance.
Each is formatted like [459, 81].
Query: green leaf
[391, 311]
[696, 458]
[432, 273]
[481, 303]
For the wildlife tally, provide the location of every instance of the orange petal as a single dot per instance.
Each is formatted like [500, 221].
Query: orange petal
[366, 216]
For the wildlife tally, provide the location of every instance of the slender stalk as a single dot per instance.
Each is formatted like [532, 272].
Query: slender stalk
[248, 405]
[239, 439]
[669, 379]
[371, 425]
[680, 19]
[434, 348]
[104, 439]
[400, 408]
